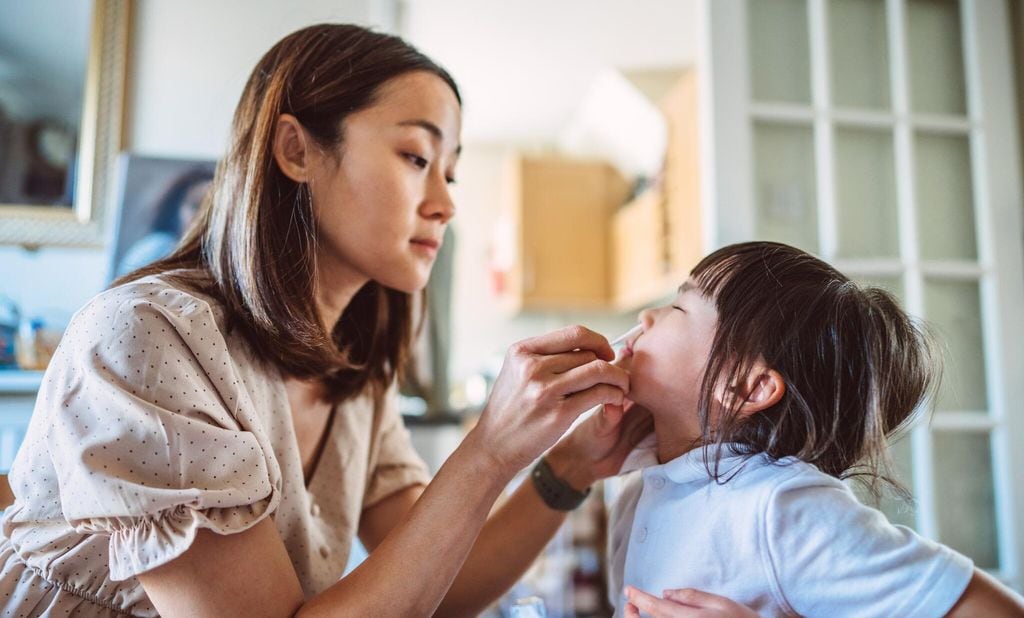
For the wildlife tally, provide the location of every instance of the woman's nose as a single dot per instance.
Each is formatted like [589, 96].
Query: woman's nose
[438, 204]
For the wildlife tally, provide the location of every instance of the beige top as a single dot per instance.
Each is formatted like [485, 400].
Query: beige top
[153, 422]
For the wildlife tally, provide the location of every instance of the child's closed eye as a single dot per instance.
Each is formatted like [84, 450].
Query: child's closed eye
[679, 308]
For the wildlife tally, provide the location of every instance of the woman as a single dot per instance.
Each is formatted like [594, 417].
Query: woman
[216, 429]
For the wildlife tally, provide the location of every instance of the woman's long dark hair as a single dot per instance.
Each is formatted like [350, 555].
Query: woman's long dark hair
[855, 365]
[255, 236]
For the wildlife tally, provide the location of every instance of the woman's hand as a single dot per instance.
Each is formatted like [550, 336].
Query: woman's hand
[597, 447]
[684, 603]
[545, 383]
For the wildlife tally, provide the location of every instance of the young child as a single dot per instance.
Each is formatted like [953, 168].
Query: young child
[770, 378]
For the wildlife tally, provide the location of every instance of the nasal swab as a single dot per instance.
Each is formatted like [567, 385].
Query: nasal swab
[626, 336]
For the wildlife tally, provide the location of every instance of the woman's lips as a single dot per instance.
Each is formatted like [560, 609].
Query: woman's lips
[427, 244]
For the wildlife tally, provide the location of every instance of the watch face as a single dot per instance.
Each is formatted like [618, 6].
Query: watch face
[55, 144]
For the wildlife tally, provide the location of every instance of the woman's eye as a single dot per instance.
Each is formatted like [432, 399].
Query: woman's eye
[417, 160]
[450, 180]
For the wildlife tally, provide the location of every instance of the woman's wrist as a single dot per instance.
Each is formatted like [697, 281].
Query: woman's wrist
[475, 445]
[570, 465]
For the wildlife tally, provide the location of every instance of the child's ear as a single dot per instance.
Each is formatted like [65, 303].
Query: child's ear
[291, 150]
[762, 389]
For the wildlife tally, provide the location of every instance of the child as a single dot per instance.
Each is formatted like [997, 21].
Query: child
[771, 377]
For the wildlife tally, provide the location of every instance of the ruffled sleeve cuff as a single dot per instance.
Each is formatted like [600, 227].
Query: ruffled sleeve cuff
[142, 544]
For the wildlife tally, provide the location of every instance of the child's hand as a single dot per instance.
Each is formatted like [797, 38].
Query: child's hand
[684, 603]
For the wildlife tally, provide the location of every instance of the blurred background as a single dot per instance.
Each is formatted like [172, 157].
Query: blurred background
[607, 145]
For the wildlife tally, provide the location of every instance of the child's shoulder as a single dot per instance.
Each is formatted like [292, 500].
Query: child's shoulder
[783, 485]
[764, 472]
[790, 489]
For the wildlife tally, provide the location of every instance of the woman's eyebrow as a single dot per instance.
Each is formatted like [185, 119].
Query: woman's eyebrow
[430, 127]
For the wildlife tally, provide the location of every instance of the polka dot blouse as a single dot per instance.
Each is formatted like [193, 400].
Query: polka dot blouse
[153, 421]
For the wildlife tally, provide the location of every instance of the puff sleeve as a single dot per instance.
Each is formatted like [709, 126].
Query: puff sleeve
[150, 428]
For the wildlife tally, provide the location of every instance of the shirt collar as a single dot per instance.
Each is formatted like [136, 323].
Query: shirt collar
[643, 455]
[688, 467]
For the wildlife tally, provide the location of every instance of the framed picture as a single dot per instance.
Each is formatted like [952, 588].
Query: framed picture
[157, 199]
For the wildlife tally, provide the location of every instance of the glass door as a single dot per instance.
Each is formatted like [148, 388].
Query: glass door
[880, 135]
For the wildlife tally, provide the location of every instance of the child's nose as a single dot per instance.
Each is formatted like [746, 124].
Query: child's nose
[647, 318]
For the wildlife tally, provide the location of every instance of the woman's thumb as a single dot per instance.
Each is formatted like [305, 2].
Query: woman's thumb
[611, 416]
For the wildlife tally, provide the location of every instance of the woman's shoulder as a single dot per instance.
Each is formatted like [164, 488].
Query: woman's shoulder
[151, 313]
[178, 293]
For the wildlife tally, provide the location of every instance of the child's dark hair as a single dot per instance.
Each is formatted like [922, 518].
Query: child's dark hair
[855, 365]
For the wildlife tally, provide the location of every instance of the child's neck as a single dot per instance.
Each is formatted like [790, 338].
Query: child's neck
[673, 440]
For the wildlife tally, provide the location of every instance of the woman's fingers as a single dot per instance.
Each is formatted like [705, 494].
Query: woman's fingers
[566, 340]
[597, 395]
[545, 383]
[595, 372]
[632, 611]
[560, 363]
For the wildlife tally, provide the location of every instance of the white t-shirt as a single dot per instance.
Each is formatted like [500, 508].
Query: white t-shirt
[780, 537]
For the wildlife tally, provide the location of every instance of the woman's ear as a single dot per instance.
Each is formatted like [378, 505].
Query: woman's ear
[291, 151]
[762, 389]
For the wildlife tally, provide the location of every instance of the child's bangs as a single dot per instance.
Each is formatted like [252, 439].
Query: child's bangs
[748, 262]
[714, 272]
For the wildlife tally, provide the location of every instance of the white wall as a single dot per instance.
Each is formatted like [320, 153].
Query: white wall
[191, 59]
[523, 65]
[187, 65]
[52, 281]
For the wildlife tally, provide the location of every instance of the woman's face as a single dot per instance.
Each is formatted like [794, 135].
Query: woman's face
[382, 207]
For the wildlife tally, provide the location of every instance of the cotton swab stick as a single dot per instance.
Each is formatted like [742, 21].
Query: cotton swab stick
[626, 336]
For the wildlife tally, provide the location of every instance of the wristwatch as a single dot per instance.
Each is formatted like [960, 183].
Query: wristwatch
[555, 492]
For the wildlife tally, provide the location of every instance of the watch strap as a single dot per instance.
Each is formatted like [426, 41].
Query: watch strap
[555, 492]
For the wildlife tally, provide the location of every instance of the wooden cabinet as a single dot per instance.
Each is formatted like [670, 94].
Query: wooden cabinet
[658, 236]
[638, 251]
[576, 244]
[560, 211]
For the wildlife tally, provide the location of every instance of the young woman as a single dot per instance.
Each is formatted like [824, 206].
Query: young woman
[216, 429]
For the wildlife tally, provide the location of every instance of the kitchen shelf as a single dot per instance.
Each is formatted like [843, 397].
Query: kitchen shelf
[19, 382]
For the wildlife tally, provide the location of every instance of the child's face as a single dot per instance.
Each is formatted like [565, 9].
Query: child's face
[669, 356]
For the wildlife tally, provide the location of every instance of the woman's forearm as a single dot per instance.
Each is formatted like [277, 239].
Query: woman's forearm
[409, 573]
[508, 544]
[511, 540]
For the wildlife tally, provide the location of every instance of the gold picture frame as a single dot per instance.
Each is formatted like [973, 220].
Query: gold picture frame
[99, 142]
